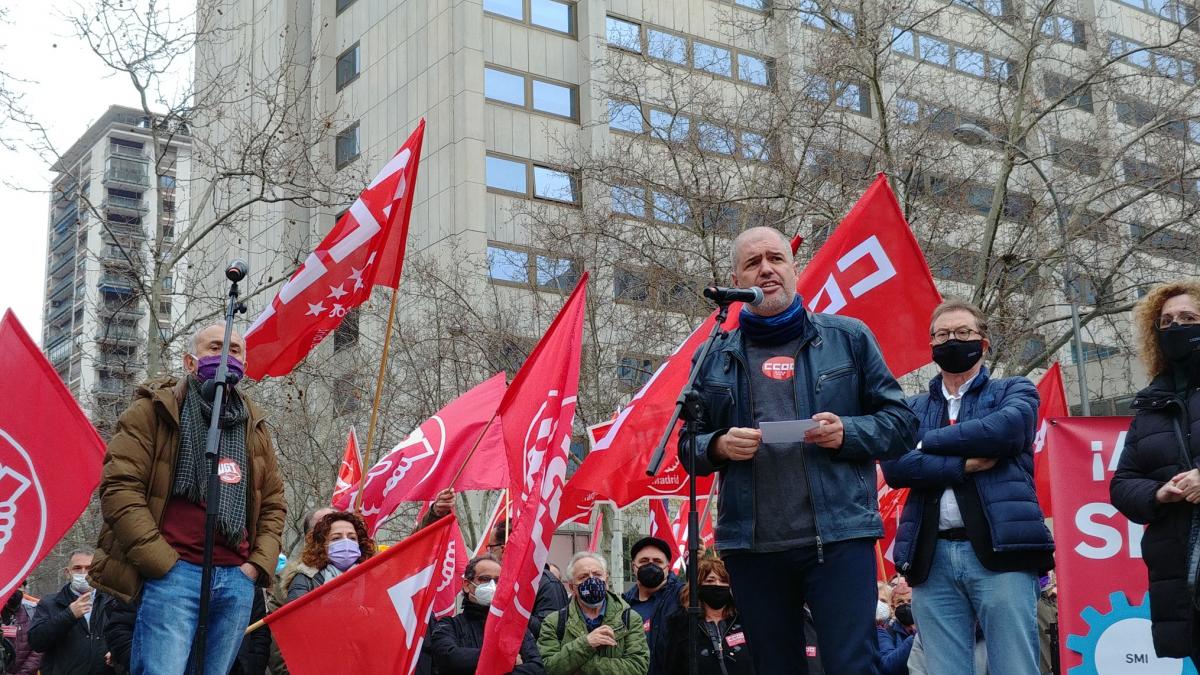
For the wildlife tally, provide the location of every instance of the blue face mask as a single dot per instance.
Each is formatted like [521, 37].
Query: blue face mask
[592, 591]
[280, 564]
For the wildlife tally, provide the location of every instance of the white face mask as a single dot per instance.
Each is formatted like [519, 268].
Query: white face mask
[883, 611]
[485, 592]
[79, 584]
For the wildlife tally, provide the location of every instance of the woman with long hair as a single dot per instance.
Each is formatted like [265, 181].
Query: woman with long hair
[721, 643]
[1157, 482]
[336, 543]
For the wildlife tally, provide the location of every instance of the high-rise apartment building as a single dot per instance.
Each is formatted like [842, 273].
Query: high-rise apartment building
[105, 215]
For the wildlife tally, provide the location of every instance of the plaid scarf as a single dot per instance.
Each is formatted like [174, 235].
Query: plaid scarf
[191, 469]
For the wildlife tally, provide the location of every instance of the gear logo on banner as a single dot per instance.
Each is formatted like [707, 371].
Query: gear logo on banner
[22, 507]
[1120, 642]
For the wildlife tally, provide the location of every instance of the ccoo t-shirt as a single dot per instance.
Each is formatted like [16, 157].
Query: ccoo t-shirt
[783, 515]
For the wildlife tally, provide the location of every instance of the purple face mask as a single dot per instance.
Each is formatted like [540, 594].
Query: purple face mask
[206, 368]
[343, 553]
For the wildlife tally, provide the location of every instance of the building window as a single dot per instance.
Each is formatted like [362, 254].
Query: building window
[346, 334]
[848, 95]
[342, 5]
[715, 138]
[712, 59]
[633, 372]
[759, 5]
[1064, 29]
[940, 52]
[554, 15]
[990, 7]
[347, 67]
[671, 209]
[1175, 12]
[667, 126]
[624, 116]
[624, 34]
[1136, 55]
[516, 176]
[1094, 352]
[813, 14]
[505, 87]
[553, 99]
[630, 285]
[629, 201]
[1078, 157]
[508, 265]
[1074, 93]
[719, 60]
[346, 148]
[666, 46]
[546, 271]
[166, 182]
[530, 93]
[506, 174]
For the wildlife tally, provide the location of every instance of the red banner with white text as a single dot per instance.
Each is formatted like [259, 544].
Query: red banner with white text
[1103, 605]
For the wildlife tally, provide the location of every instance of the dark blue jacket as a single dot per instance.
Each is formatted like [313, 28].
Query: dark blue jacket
[853, 382]
[895, 644]
[655, 613]
[997, 420]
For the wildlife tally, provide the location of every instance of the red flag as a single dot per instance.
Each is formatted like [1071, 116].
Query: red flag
[389, 595]
[660, 522]
[348, 474]
[597, 530]
[499, 512]
[538, 410]
[870, 266]
[1053, 397]
[891, 506]
[364, 249]
[426, 461]
[450, 575]
[679, 528]
[50, 456]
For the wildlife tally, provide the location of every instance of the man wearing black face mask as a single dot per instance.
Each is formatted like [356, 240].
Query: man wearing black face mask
[153, 498]
[896, 639]
[655, 596]
[1157, 482]
[972, 540]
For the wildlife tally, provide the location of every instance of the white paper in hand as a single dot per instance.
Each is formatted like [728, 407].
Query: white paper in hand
[789, 431]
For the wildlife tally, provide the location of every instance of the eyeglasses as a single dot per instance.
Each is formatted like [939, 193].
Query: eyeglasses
[963, 333]
[1182, 318]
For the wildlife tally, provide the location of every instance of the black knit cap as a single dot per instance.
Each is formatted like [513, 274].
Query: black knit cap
[651, 541]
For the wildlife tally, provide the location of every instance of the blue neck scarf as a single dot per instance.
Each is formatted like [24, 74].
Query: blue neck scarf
[775, 330]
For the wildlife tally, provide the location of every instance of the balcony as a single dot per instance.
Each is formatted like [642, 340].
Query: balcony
[60, 351]
[118, 335]
[125, 152]
[57, 313]
[125, 177]
[119, 204]
[125, 231]
[59, 239]
[65, 261]
[67, 219]
[61, 289]
[116, 283]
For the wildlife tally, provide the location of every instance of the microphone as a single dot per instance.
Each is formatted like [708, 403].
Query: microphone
[723, 295]
[236, 270]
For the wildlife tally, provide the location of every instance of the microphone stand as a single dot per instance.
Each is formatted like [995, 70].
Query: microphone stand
[691, 409]
[213, 502]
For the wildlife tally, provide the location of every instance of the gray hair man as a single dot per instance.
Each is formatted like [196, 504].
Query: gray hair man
[153, 496]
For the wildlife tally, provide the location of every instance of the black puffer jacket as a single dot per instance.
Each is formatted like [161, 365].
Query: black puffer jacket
[1154, 453]
[730, 655]
[457, 641]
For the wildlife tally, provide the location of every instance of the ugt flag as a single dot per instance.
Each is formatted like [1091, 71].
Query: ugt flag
[870, 268]
[371, 619]
[537, 411]
[50, 456]
[429, 459]
[364, 249]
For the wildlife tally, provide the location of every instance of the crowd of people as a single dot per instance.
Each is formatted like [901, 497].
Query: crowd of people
[791, 585]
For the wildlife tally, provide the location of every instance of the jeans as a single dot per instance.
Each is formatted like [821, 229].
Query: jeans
[771, 589]
[168, 614]
[959, 593]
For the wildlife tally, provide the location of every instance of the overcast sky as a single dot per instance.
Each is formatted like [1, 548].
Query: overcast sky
[66, 88]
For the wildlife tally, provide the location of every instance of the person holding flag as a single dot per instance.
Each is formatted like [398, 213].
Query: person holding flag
[152, 496]
[803, 506]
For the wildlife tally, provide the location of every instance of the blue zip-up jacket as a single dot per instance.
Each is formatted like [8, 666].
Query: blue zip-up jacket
[997, 420]
[851, 381]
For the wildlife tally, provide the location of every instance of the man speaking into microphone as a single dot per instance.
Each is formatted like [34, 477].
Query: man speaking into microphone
[153, 496]
[797, 408]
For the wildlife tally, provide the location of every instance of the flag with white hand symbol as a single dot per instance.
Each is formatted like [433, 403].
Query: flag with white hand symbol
[365, 249]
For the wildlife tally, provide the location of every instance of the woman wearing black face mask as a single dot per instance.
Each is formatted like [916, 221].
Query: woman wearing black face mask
[721, 642]
[1157, 482]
